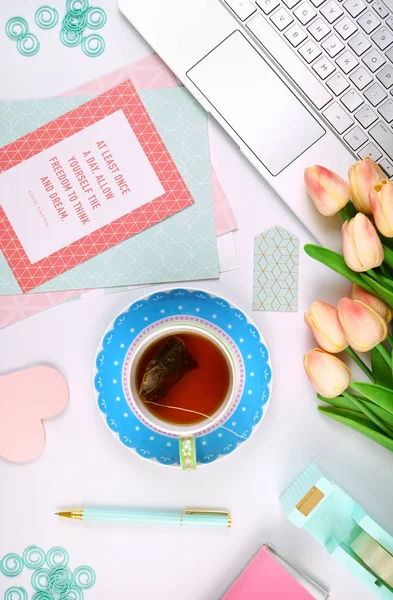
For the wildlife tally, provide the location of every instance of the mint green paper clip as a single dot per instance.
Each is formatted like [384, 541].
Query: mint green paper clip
[93, 45]
[16, 593]
[316, 503]
[16, 28]
[46, 17]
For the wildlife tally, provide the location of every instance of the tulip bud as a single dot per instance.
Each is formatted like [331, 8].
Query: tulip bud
[362, 247]
[380, 307]
[322, 319]
[329, 376]
[363, 175]
[381, 202]
[364, 328]
[329, 192]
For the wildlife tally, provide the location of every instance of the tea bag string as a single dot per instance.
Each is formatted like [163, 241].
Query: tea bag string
[195, 412]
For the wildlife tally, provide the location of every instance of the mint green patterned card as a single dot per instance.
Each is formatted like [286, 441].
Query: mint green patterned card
[180, 248]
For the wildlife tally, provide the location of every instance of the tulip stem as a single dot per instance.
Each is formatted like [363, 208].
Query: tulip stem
[360, 364]
[390, 340]
[368, 413]
[385, 271]
[385, 354]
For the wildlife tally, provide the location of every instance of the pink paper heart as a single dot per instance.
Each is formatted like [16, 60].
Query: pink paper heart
[26, 398]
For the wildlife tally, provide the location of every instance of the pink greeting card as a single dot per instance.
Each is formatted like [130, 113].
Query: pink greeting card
[146, 74]
[82, 184]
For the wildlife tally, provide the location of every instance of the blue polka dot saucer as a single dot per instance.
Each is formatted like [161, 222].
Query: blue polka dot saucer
[216, 316]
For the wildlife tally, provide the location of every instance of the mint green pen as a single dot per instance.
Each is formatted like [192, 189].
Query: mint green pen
[188, 518]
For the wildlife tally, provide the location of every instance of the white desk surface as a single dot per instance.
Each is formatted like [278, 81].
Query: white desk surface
[83, 463]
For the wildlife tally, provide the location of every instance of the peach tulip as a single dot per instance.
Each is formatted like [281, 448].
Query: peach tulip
[362, 247]
[329, 376]
[364, 327]
[380, 307]
[322, 319]
[363, 175]
[381, 202]
[329, 192]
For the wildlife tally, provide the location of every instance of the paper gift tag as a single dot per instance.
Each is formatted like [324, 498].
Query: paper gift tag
[276, 266]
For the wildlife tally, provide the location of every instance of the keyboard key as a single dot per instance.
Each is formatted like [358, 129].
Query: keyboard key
[361, 78]
[338, 118]
[354, 7]
[389, 22]
[295, 35]
[323, 67]
[291, 3]
[383, 38]
[371, 151]
[373, 60]
[305, 13]
[317, 3]
[375, 94]
[356, 138]
[380, 9]
[359, 44]
[268, 5]
[352, 100]
[383, 135]
[242, 8]
[338, 84]
[290, 63]
[332, 46]
[387, 167]
[369, 21]
[310, 51]
[386, 110]
[347, 62]
[389, 54]
[281, 19]
[385, 76]
[345, 28]
[366, 116]
[318, 29]
[331, 11]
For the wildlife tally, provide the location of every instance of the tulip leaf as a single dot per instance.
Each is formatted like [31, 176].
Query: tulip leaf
[388, 256]
[336, 262]
[358, 423]
[381, 372]
[342, 402]
[380, 395]
[348, 212]
[378, 290]
[386, 281]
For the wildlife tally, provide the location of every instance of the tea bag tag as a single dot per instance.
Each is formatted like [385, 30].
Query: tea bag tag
[187, 451]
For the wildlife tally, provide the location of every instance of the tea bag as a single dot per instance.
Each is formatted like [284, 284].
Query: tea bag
[170, 364]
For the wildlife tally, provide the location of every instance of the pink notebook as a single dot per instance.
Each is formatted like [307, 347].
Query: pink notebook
[265, 578]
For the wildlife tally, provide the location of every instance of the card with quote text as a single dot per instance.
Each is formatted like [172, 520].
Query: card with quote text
[82, 184]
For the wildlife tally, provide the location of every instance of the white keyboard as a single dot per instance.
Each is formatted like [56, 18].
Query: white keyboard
[339, 53]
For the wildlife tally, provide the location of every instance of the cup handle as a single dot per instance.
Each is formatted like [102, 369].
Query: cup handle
[187, 452]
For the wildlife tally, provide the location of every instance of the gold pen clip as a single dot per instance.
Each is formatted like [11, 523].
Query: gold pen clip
[198, 511]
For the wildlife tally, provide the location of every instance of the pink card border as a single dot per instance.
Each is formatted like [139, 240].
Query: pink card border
[177, 196]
